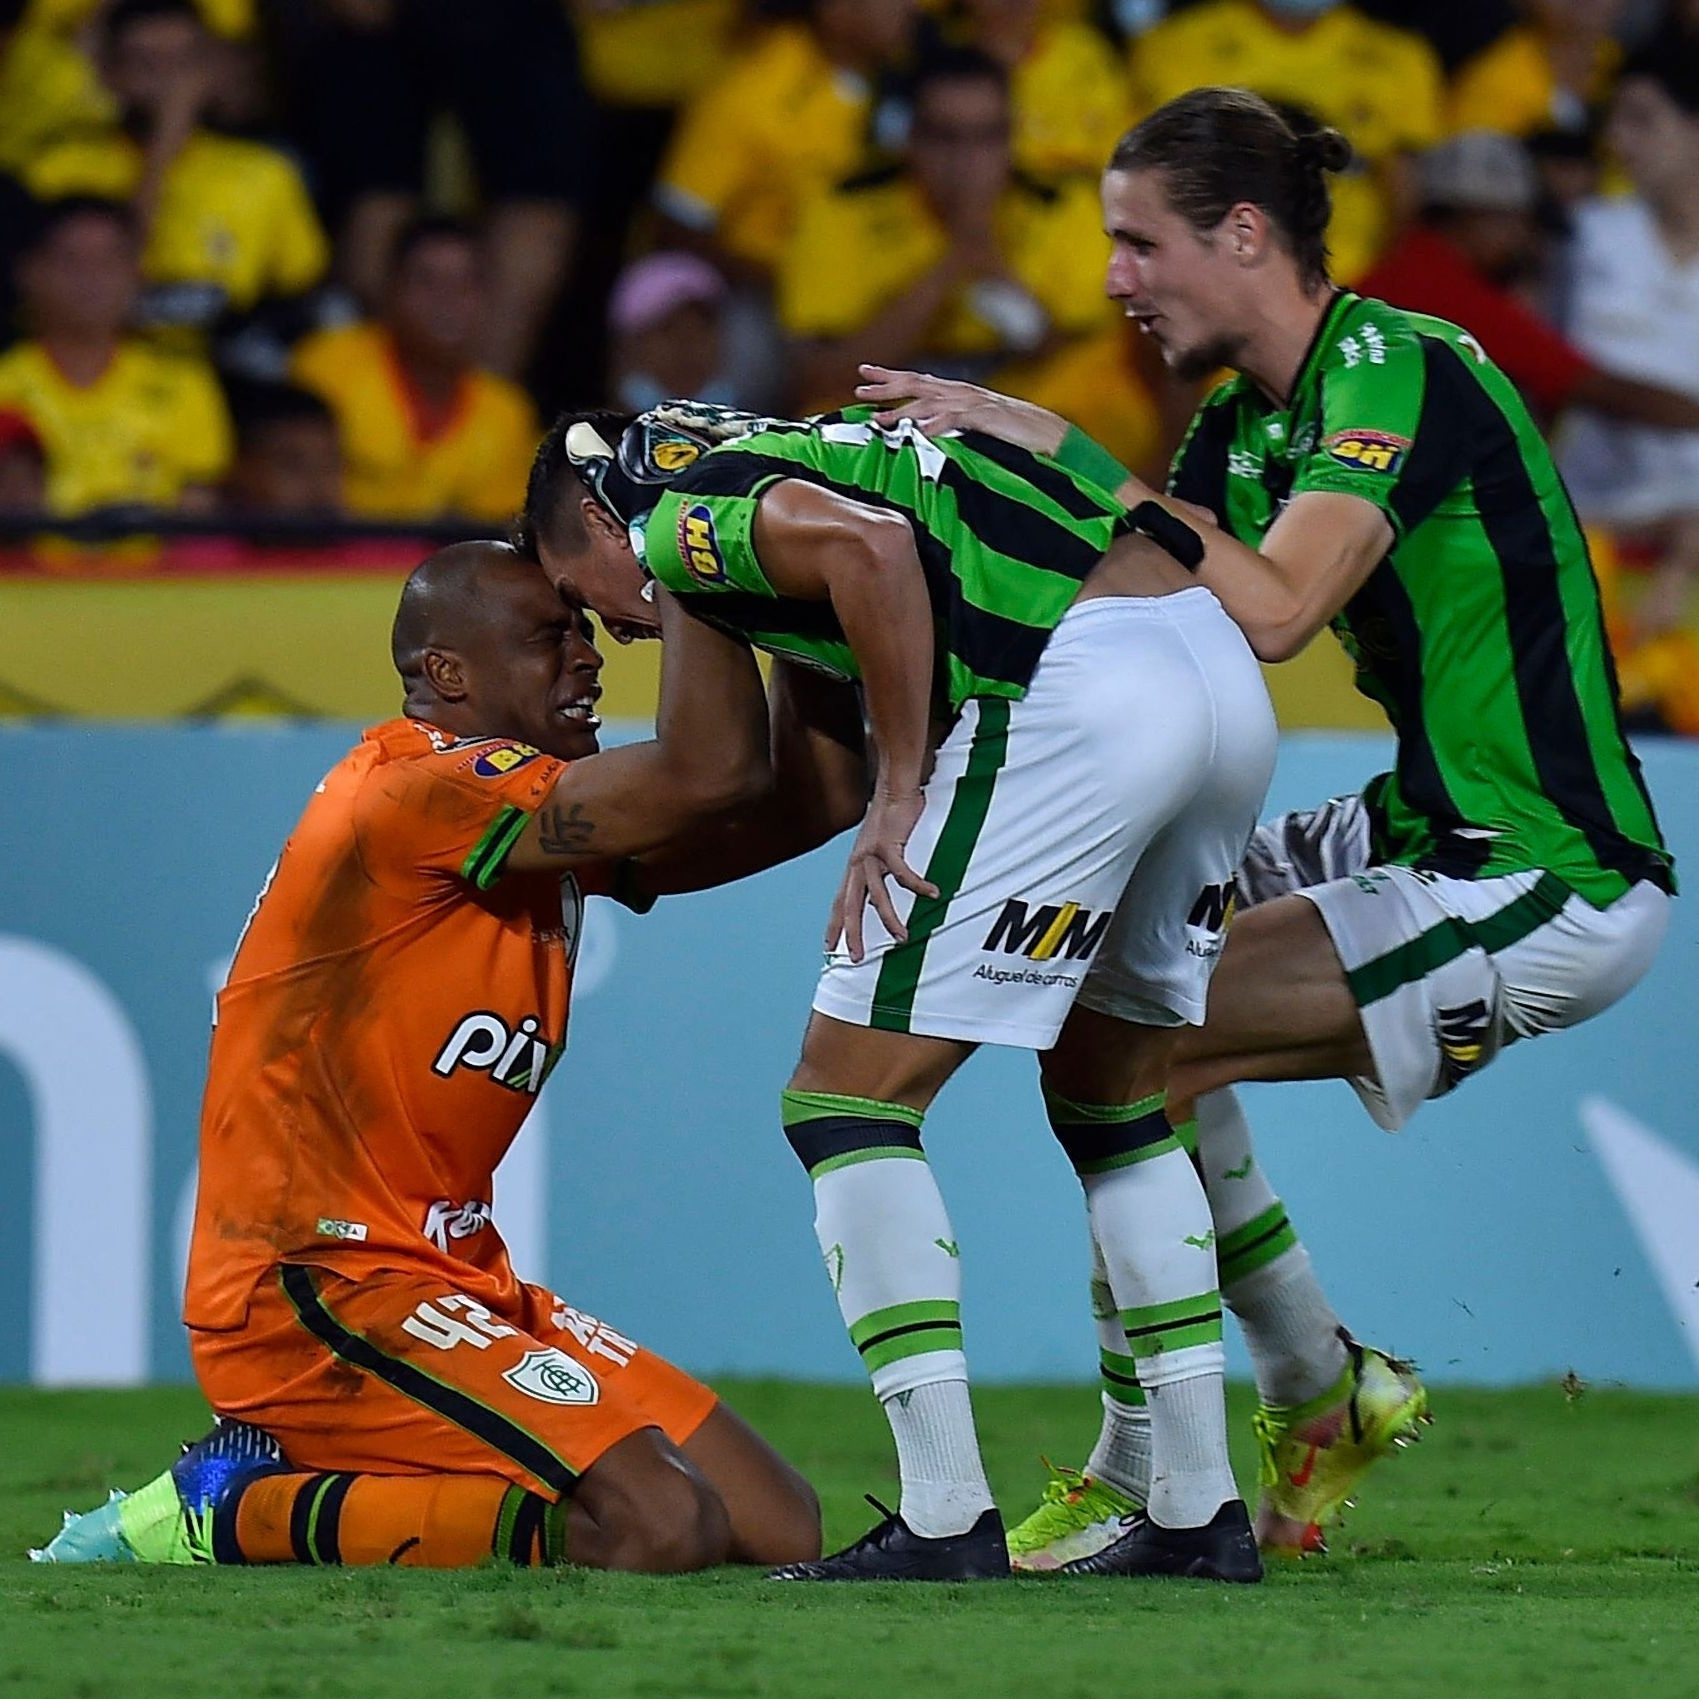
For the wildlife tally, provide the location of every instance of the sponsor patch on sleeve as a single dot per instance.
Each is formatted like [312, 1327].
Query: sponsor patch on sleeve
[1367, 451]
[500, 759]
[698, 547]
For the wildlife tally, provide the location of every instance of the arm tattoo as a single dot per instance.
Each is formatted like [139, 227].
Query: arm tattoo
[564, 830]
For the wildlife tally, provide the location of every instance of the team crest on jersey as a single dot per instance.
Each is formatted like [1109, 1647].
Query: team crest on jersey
[504, 758]
[554, 1378]
[698, 547]
[1367, 451]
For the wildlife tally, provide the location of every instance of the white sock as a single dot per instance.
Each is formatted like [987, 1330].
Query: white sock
[1151, 1219]
[944, 1486]
[1190, 1479]
[1121, 1456]
[1267, 1280]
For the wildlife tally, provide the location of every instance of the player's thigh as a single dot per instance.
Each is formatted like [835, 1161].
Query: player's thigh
[399, 1373]
[1280, 1005]
[1035, 814]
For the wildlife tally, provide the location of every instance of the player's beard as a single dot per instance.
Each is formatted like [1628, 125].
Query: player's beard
[1193, 365]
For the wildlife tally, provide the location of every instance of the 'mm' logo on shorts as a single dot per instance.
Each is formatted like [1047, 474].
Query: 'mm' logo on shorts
[1042, 933]
[1206, 925]
[698, 547]
[1464, 1032]
[1367, 451]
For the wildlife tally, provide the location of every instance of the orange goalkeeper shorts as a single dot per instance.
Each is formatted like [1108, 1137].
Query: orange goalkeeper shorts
[400, 1374]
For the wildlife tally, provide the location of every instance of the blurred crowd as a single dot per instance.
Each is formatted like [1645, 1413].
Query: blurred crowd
[279, 264]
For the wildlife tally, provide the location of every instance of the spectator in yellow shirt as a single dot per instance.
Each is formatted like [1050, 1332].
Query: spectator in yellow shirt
[796, 109]
[949, 259]
[122, 423]
[1382, 87]
[1067, 87]
[1554, 71]
[426, 432]
[226, 223]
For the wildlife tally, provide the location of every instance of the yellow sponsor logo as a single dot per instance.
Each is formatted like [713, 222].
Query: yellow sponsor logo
[675, 454]
[1367, 451]
[505, 758]
[698, 547]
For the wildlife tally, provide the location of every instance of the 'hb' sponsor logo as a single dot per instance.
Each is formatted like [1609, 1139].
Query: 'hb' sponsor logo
[1041, 933]
[698, 547]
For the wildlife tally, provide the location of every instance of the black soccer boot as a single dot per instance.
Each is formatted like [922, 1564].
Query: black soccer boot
[894, 1552]
[1223, 1549]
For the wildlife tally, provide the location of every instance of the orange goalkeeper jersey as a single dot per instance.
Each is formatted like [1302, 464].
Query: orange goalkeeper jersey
[394, 1005]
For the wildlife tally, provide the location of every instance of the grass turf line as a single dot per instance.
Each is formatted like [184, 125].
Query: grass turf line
[1535, 1543]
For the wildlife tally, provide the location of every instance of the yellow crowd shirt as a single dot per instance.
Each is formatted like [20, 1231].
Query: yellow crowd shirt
[861, 244]
[1509, 86]
[1071, 102]
[150, 425]
[1383, 87]
[655, 52]
[781, 121]
[402, 463]
[233, 215]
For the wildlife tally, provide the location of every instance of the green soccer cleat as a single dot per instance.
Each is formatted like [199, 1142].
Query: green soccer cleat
[170, 1520]
[1314, 1454]
[1078, 1517]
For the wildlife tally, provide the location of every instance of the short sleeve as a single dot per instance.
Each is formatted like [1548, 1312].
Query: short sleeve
[201, 438]
[454, 813]
[695, 543]
[299, 253]
[711, 160]
[1374, 395]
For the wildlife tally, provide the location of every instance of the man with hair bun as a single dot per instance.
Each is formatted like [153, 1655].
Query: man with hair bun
[1372, 470]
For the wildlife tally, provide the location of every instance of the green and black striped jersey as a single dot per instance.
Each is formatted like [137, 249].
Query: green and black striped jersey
[1004, 536]
[1480, 632]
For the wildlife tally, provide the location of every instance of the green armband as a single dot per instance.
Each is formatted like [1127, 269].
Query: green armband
[1086, 457]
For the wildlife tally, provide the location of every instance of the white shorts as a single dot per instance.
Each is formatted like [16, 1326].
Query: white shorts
[1083, 838]
[1446, 972]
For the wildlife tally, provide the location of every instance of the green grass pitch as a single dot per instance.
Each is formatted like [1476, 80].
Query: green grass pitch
[1538, 1542]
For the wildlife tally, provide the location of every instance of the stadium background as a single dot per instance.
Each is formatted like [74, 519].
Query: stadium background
[183, 655]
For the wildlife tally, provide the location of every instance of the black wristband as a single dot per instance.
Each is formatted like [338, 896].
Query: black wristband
[1170, 534]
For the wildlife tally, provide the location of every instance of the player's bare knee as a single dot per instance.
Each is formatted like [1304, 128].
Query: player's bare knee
[647, 1508]
[790, 1530]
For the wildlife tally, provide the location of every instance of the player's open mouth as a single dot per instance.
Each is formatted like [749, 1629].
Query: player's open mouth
[1145, 321]
[581, 710]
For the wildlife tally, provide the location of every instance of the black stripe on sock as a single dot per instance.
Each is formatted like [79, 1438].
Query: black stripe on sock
[867, 1345]
[299, 1514]
[1282, 1225]
[840, 1135]
[1122, 1380]
[1088, 1143]
[1175, 1323]
[449, 1402]
[225, 1546]
[525, 1547]
[327, 1526]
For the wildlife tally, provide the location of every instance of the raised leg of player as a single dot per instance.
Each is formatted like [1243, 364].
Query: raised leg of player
[1149, 1215]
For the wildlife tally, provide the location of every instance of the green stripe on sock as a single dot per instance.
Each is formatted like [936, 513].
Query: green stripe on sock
[1450, 938]
[878, 1153]
[1062, 1108]
[501, 1542]
[1127, 1158]
[1186, 1133]
[554, 1533]
[314, 1554]
[796, 1107]
[1255, 1244]
[1156, 1328]
[907, 1330]
[899, 974]
[1121, 1378]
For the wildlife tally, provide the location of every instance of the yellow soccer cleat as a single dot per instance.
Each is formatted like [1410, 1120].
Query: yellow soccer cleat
[1315, 1454]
